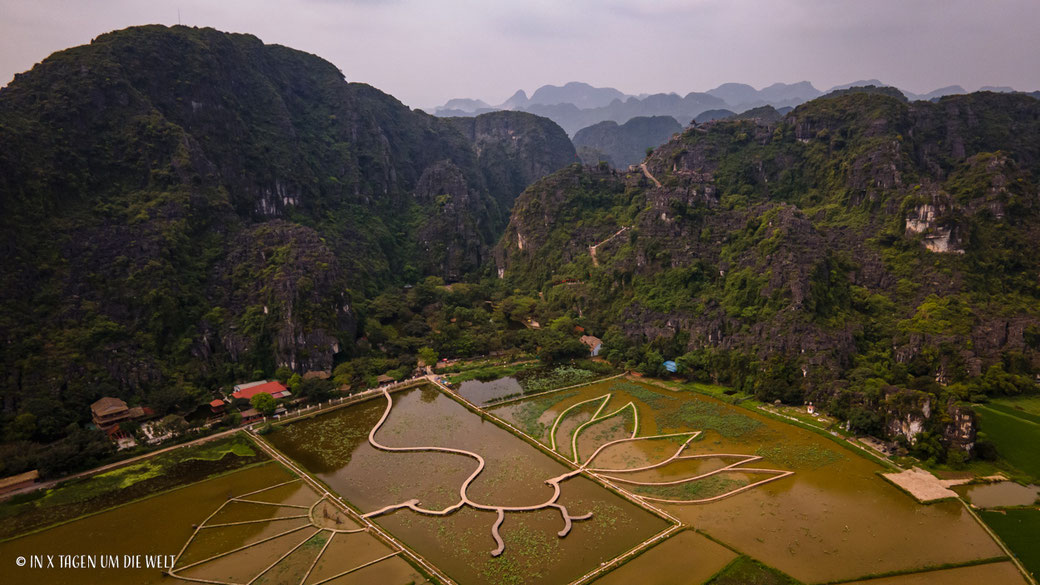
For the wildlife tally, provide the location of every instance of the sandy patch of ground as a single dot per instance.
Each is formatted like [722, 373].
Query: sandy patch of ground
[922, 485]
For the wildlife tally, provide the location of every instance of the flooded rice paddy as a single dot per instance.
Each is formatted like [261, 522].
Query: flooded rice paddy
[278, 521]
[334, 447]
[788, 497]
[481, 393]
[832, 519]
[999, 494]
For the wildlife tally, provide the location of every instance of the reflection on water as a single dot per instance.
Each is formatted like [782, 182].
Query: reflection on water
[833, 519]
[515, 473]
[999, 494]
[479, 392]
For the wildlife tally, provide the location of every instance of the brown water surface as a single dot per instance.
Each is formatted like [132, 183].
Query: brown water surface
[479, 392]
[687, 558]
[833, 519]
[158, 526]
[999, 494]
[460, 544]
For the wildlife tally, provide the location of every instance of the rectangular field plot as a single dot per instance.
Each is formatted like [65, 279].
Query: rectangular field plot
[783, 495]
[686, 557]
[434, 503]
[157, 526]
[1003, 573]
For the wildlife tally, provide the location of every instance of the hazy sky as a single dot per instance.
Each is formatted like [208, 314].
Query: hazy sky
[427, 51]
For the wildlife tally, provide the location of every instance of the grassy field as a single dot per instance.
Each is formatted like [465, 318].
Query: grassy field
[75, 498]
[1027, 407]
[1020, 530]
[747, 571]
[1015, 436]
[486, 373]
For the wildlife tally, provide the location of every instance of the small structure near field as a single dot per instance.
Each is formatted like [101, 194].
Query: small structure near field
[595, 344]
[274, 388]
[20, 481]
[109, 412]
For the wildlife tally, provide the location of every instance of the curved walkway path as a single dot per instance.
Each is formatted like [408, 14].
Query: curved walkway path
[592, 248]
[607, 474]
[312, 522]
[604, 474]
[646, 172]
[464, 499]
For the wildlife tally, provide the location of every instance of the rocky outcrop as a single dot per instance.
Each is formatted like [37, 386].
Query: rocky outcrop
[183, 207]
[626, 144]
[961, 430]
[909, 413]
[282, 290]
[515, 149]
[853, 222]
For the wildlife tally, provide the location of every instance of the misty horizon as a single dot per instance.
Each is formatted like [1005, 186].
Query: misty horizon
[427, 54]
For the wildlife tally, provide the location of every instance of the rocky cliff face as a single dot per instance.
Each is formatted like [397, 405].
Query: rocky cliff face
[625, 144]
[865, 240]
[183, 206]
[514, 149]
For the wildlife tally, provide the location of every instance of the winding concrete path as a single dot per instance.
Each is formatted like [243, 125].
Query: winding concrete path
[464, 499]
[646, 172]
[607, 474]
[592, 248]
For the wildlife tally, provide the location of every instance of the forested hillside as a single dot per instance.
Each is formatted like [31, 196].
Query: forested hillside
[869, 254]
[183, 208]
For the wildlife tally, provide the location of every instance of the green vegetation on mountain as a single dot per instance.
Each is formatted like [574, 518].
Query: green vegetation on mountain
[183, 208]
[625, 144]
[870, 255]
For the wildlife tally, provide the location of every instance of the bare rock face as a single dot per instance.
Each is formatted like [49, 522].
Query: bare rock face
[857, 238]
[285, 299]
[961, 430]
[909, 412]
[515, 149]
[456, 224]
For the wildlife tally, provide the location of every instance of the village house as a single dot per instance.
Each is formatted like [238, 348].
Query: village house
[109, 412]
[594, 343]
[275, 388]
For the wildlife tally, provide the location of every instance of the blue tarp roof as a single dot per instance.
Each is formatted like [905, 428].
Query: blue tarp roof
[671, 366]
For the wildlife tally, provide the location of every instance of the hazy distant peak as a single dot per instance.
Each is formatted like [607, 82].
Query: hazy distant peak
[938, 93]
[578, 93]
[466, 105]
[803, 90]
[734, 93]
[517, 101]
[997, 88]
[860, 83]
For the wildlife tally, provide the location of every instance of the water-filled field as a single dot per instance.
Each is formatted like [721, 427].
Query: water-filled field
[257, 525]
[619, 481]
[832, 519]
[335, 448]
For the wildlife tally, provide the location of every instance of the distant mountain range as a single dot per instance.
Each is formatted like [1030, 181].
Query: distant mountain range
[577, 105]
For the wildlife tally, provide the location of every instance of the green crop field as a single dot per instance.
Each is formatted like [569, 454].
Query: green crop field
[1016, 437]
[1020, 530]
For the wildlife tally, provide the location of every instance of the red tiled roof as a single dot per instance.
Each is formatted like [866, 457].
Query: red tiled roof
[273, 388]
[217, 403]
